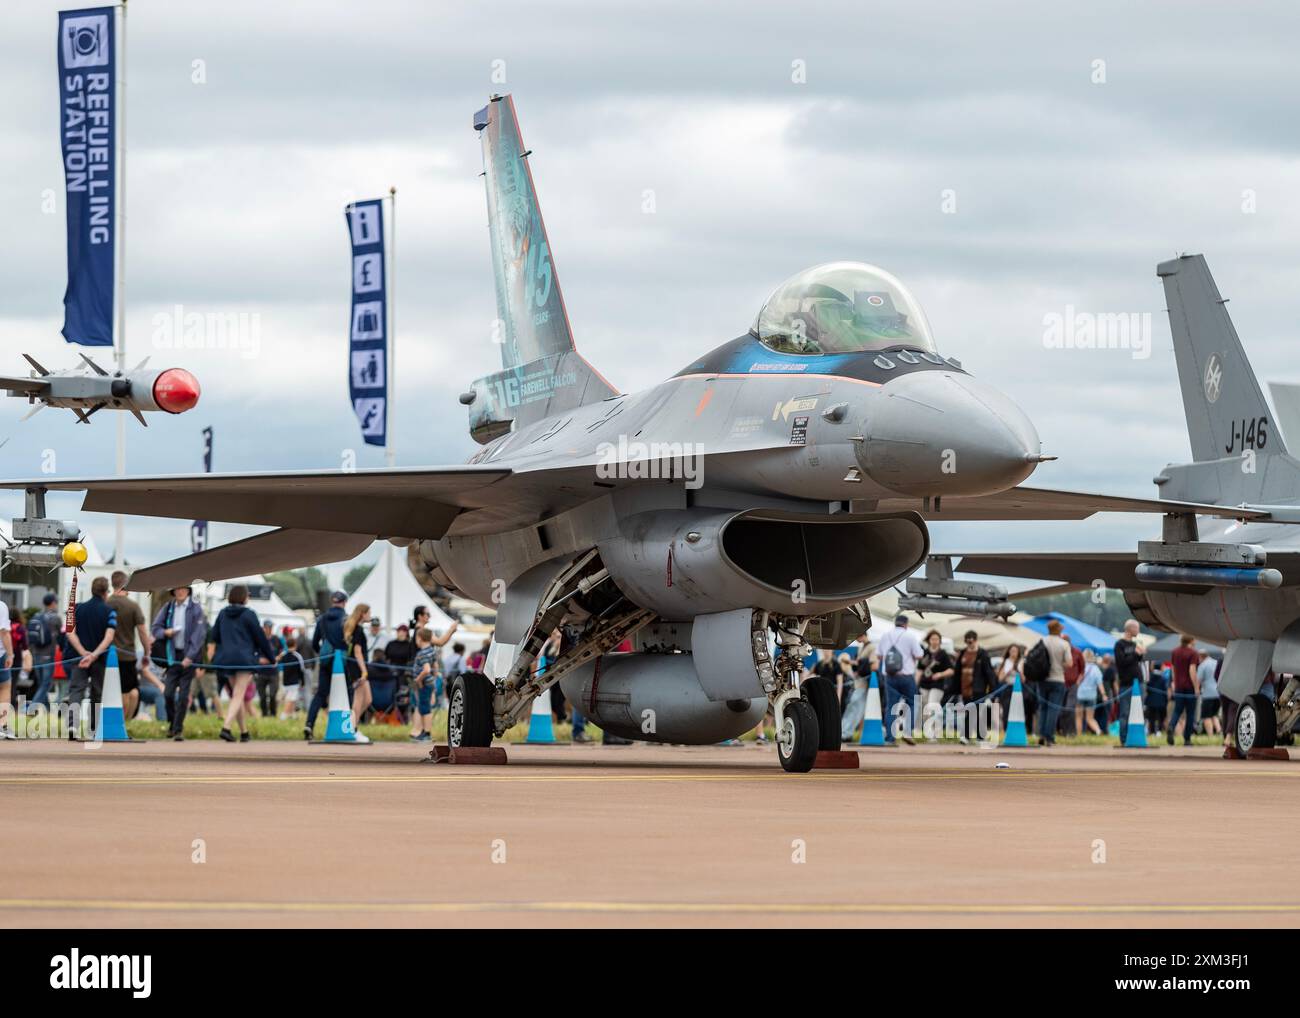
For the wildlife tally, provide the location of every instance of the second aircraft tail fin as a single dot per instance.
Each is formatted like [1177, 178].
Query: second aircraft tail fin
[1227, 413]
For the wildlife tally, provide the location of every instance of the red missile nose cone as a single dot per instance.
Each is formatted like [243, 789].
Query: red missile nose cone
[176, 391]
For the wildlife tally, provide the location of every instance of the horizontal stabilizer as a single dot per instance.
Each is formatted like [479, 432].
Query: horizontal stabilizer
[264, 553]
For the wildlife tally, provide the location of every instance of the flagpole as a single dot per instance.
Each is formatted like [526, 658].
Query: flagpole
[390, 379]
[119, 265]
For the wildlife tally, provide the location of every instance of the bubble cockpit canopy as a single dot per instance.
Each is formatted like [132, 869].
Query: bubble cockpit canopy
[839, 308]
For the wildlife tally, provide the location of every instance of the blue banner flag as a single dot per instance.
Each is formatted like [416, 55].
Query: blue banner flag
[367, 370]
[88, 126]
[199, 528]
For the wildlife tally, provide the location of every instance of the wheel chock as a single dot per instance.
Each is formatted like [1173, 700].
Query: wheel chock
[1230, 753]
[1272, 753]
[836, 759]
[468, 755]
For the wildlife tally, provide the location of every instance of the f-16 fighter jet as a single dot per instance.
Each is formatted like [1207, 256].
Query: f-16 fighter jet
[723, 520]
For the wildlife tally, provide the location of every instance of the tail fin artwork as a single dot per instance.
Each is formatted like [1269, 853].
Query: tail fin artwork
[1225, 407]
[542, 372]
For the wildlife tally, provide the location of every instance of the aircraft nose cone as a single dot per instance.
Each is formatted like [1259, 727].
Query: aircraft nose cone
[945, 433]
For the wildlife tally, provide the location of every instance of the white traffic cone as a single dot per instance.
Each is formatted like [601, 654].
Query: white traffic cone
[112, 718]
[873, 726]
[1015, 734]
[540, 725]
[1136, 736]
[338, 725]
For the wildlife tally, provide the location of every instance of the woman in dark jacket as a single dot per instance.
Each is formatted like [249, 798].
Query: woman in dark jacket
[237, 645]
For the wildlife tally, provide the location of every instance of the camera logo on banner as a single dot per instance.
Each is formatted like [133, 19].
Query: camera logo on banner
[85, 41]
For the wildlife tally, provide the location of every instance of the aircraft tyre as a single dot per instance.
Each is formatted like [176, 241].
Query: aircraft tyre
[820, 695]
[796, 741]
[469, 710]
[1256, 726]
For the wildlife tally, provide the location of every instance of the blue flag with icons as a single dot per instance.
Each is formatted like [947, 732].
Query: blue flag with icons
[199, 528]
[367, 370]
[88, 126]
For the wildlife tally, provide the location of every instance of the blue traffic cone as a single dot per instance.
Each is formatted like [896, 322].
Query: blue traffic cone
[112, 719]
[540, 727]
[873, 726]
[1136, 736]
[1015, 734]
[338, 726]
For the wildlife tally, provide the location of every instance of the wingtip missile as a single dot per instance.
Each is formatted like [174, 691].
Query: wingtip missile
[87, 389]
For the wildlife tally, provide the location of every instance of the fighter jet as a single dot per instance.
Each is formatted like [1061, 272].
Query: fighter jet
[1232, 582]
[90, 388]
[722, 520]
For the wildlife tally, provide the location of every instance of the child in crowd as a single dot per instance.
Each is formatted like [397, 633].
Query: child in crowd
[291, 667]
[424, 680]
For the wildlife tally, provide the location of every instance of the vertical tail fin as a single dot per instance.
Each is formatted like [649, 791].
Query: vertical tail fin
[1225, 407]
[542, 372]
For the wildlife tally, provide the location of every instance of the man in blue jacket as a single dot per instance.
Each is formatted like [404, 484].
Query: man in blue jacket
[327, 638]
[181, 629]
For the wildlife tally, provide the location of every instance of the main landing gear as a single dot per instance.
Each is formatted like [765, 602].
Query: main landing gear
[469, 710]
[1256, 726]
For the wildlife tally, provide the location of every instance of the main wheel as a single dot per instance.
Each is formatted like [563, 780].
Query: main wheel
[1256, 726]
[469, 713]
[820, 694]
[796, 742]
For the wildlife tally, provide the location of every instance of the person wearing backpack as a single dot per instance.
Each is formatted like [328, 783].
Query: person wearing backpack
[1052, 688]
[43, 631]
[899, 651]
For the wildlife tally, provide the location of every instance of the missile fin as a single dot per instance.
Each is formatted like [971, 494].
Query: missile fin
[98, 369]
[35, 364]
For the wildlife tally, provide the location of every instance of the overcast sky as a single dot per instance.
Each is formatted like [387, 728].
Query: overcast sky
[1067, 189]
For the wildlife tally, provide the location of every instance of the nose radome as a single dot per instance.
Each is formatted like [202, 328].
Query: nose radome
[945, 433]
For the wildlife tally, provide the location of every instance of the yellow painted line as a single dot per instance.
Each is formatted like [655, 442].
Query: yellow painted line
[634, 907]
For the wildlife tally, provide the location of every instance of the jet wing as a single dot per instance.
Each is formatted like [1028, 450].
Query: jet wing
[263, 553]
[415, 502]
[1049, 504]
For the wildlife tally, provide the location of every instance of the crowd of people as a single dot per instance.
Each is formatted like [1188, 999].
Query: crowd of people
[1066, 690]
[234, 666]
[239, 668]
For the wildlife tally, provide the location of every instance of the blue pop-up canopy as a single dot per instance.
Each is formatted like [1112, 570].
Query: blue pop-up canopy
[1081, 634]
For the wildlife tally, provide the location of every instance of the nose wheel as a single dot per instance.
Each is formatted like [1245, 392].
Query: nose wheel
[797, 738]
[820, 694]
